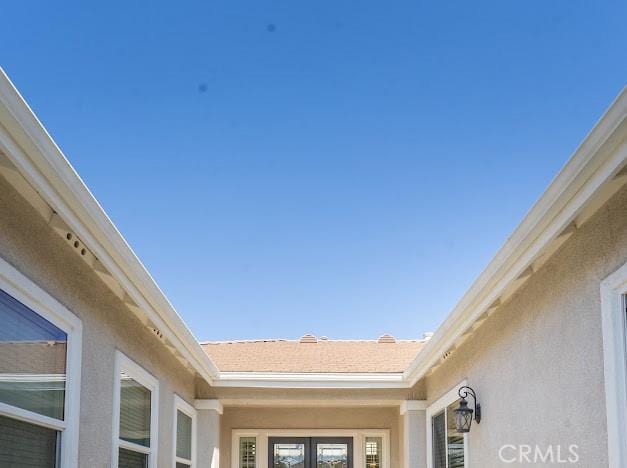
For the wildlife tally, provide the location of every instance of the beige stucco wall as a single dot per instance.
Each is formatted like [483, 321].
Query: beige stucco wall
[309, 418]
[537, 364]
[34, 249]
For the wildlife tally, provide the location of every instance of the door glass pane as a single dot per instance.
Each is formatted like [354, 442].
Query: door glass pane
[454, 440]
[32, 360]
[247, 452]
[373, 452]
[24, 445]
[332, 456]
[183, 436]
[289, 456]
[439, 440]
[130, 459]
[134, 412]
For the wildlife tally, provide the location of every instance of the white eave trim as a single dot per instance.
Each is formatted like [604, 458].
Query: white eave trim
[595, 163]
[310, 380]
[593, 166]
[310, 402]
[40, 161]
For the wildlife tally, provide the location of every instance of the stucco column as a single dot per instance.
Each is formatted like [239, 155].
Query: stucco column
[208, 433]
[414, 430]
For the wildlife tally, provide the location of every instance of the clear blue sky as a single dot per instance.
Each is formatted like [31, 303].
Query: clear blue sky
[344, 168]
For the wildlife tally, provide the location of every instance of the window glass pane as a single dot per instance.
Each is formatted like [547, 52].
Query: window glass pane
[439, 440]
[130, 459]
[331, 456]
[183, 436]
[32, 360]
[289, 456]
[182, 465]
[373, 452]
[134, 412]
[454, 440]
[24, 445]
[247, 452]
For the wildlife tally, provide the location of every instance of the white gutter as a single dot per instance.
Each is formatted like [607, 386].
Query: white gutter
[586, 180]
[31, 149]
[310, 380]
[578, 185]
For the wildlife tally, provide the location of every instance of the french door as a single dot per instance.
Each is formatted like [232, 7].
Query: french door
[310, 452]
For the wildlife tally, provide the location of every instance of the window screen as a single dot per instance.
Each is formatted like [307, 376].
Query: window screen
[447, 444]
[134, 412]
[24, 445]
[183, 437]
[130, 459]
[247, 452]
[454, 440]
[32, 360]
[439, 440]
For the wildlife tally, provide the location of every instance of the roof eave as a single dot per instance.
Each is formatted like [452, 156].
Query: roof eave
[41, 162]
[587, 180]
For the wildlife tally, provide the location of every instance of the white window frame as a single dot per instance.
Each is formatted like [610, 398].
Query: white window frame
[433, 410]
[235, 446]
[385, 447]
[124, 364]
[39, 301]
[358, 435]
[613, 302]
[185, 408]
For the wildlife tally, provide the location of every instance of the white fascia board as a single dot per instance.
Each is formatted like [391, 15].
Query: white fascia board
[309, 402]
[594, 164]
[309, 380]
[32, 150]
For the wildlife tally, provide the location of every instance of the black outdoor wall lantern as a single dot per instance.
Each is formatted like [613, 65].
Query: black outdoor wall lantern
[463, 414]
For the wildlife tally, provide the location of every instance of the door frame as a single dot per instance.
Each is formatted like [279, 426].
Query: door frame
[358, 435]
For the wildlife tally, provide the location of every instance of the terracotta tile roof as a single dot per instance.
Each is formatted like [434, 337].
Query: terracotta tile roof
[332, 356]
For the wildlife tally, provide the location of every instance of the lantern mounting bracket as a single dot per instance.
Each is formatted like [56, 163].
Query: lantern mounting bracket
[463, 394]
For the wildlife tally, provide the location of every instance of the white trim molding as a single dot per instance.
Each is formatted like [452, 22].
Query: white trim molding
[309, 402]
[436, 407]
[310, 380]
[614, 323]
[359, 442]
[413, 405]
[123, 364]
[590, 177]
[30, 148]
[21, 288]
[211, 405]
[181, 405]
